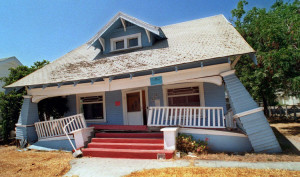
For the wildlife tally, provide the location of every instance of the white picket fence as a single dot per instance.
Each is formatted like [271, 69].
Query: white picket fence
[206, 117]
[54, 128]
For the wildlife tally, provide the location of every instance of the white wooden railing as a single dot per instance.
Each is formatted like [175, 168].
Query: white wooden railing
[54, 128]
[207, 117]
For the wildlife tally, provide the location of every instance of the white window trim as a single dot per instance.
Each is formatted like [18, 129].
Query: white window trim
[173, 86]
[78, 96]
[126, 41]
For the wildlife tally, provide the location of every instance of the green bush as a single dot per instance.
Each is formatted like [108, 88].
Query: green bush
[186, 143]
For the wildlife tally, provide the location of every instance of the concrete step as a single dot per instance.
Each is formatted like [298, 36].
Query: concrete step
[129, 135]
[126, 153]
[145, 146]
[128, 140]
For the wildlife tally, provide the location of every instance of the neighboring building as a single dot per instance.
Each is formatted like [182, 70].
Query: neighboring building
[5, 64]
[134, 73]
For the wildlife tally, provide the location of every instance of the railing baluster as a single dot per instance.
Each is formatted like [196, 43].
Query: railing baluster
[195, 113]
[219, 118]
[159, 116]
[214, 119]
[171, 118]
[155, 117]
[162, 116]
[199, 117]
[150, 116]
[178, 117]
[191, 116]
[167, 117]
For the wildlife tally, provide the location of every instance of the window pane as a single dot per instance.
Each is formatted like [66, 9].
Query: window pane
[93, 111]
[192, 100]
[133, 42]
[187, 96]
[120, 45]
[133, 102]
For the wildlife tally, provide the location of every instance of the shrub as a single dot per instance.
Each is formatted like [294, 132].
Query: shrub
[186, 143]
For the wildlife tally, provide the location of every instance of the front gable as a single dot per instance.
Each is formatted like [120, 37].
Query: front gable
[124, 33]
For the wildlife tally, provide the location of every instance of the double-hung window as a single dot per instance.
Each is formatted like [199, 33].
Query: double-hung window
[126, 42]
[92, 107]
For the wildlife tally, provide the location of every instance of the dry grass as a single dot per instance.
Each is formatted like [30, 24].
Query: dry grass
[201, 171]
[33, 163]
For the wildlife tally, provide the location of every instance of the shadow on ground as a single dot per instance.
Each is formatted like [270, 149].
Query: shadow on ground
[286, 145]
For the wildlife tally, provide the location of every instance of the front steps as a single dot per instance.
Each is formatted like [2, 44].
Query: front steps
[127, 145]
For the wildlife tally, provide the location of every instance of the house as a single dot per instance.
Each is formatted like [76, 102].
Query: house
[5, 64]
[132, 75]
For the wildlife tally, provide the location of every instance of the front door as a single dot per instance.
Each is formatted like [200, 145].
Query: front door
[135, 105]
[134, 108]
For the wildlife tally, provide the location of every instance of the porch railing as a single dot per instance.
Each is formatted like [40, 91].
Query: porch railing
[54, 128]
[206, 117]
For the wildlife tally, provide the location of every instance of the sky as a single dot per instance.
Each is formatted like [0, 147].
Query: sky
[33, 30]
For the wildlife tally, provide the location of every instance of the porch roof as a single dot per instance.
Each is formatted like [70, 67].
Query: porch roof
[191, 41]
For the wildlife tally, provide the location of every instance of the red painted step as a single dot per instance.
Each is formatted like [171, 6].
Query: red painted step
[144, 146]
[129, 135]
[126, 153]
[128, 140]
[121, 127]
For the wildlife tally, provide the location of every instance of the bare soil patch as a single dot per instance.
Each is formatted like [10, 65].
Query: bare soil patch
[33, 163]
[202, 171]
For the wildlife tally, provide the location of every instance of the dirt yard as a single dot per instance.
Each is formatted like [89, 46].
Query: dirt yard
[200, 171]
[33, 163]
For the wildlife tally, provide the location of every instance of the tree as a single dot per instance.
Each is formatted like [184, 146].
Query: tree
[275, 36]
[10, 103]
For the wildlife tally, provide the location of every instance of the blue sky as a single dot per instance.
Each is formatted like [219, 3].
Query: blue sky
[33, 30]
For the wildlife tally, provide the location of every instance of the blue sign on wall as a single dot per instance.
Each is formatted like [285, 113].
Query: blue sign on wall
[156, 80]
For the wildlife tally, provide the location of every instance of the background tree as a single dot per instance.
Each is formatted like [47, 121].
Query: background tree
[275, 36]
[11, 102]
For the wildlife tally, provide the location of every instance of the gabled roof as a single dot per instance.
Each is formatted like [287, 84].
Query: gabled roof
[121, 15]
[187, 42]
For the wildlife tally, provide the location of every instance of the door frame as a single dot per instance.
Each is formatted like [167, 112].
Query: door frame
[124, 100]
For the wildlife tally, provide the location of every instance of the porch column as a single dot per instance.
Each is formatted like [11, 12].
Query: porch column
[251, 116]
[28, 116]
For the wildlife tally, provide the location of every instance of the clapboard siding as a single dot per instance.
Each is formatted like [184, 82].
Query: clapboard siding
[214, 96]
[255, 125]
[239, 97]
[114, 114]
[154, 93]
[28, 116]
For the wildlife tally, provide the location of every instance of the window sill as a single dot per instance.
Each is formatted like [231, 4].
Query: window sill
[127, 49]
